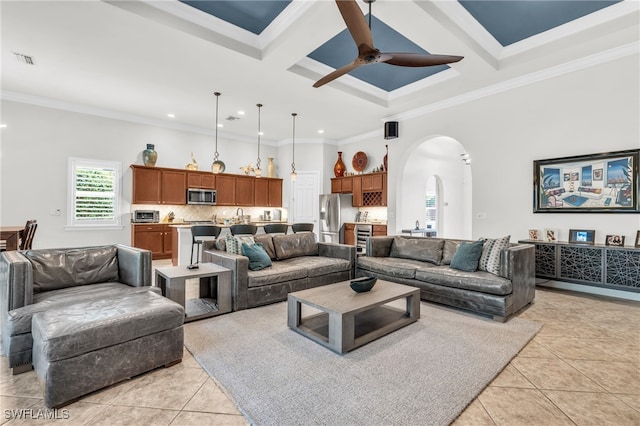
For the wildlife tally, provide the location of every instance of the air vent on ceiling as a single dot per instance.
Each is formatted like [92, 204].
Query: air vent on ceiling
[232, 118]
[24, 59]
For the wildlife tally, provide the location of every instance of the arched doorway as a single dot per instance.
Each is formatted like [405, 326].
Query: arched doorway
[438, 157]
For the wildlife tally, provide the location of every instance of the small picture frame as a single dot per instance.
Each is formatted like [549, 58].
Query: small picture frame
[551, 235]
[637, 245]
[533, 234]
[582, 236]
[615, 240]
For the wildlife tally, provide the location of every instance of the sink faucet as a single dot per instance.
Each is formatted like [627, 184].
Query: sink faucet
[239, 210]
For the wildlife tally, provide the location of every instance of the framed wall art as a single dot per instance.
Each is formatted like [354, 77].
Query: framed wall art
[550, 235]
[533, 234]
[614, 240]
[595, 183]
[582, 236]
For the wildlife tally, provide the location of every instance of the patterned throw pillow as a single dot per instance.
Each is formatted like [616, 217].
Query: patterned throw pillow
[490, 259]
[234, 243]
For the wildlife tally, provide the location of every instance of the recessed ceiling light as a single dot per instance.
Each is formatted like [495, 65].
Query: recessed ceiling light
[3, 125]
[321, 131]
[240, 112]
[261, 133]
[220, 125]
[170, 115]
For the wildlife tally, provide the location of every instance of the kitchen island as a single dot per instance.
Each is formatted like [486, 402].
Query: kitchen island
[182, 238]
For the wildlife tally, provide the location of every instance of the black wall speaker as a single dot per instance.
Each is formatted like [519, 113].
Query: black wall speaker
[391, 130]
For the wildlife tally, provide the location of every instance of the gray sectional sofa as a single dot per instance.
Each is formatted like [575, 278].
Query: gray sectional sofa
[425, 263]
[298, 263]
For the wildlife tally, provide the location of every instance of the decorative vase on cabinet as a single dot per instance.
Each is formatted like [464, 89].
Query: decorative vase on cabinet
[270, 168]
[339, 168]
[149, 155]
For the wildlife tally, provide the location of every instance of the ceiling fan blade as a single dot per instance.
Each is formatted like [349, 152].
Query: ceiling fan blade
[356, 23]
[337, 73]
[419, 59]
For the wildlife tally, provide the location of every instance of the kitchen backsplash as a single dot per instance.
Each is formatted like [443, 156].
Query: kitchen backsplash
[189, 213]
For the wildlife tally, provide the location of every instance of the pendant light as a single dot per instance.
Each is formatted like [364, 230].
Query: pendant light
[218, 165]
[258, 170]
[293, 174]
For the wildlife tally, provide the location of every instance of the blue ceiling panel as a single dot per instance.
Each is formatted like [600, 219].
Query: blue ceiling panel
[251, 15]
[510, 21]
[341, 50]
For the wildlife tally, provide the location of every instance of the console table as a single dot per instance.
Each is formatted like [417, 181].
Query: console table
[597, 265]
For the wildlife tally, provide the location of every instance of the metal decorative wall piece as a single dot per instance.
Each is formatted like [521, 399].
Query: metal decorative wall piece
[596, 183]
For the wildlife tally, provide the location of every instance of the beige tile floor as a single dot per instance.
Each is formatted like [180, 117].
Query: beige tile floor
[583, 368]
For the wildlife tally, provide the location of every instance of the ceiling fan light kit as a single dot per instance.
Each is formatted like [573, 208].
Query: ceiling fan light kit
[368, 54]
[218, 165]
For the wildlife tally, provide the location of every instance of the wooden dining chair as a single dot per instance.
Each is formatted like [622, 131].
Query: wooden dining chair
[27, 234]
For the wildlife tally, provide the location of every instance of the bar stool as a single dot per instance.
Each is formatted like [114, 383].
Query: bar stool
[27, 234]
[276, 228]
[243, 229]
[302, 227]
[202, 231]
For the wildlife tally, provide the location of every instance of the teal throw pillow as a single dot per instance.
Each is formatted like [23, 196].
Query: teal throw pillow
[467, 256]
[258, 257]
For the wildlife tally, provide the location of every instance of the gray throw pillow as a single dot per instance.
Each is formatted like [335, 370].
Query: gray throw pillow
[424, 249]
[467, 256]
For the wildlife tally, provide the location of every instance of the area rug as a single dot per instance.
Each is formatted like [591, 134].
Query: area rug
[425, 373]
[575, 200]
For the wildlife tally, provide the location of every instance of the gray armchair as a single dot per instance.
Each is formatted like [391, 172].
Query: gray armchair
[39, 280]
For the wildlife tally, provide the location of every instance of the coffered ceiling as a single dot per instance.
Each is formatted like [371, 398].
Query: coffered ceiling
[142, 60]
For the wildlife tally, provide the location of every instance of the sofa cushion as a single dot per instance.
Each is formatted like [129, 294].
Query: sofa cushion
[425, 249]
[280, 271]
[234, 243]
[267, 243]
[395, 267]
[59, 268]
[295, 245]
[483, 282]
[490, 259]
[467, 256]
[19, 320]
[258, 257]
[319, 265]
[450, 247]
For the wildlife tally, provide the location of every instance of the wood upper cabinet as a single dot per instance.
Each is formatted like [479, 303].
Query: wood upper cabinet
[159, 186]
[372, 182]
[226, 190]
[268, 192]
[357, 191]
[342, 185]
[146, 185]
[245, 190]
[174, 187]
[156, 238]
[206, 180]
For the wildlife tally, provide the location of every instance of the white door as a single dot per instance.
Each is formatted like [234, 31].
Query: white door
[304, 199]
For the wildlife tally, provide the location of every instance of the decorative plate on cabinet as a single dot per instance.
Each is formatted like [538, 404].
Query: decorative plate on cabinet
[359, 161]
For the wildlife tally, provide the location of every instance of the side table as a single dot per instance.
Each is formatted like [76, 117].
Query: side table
[214, 289]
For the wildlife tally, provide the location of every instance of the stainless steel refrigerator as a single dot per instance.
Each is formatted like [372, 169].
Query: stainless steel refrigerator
[335, 209]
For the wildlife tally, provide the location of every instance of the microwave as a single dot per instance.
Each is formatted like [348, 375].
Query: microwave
[201, 196]
[145, 216]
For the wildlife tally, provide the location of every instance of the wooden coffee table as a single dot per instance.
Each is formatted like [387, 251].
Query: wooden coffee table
[348, 320]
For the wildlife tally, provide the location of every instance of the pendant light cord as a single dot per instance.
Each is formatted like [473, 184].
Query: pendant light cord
[216, 155]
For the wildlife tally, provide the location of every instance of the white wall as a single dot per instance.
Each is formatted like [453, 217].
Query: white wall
[588, 111]
[33, 170]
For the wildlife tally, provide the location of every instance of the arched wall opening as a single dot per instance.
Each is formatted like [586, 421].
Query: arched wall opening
[436, 157]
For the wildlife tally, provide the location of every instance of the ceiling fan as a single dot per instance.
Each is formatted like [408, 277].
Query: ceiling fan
[368, 54]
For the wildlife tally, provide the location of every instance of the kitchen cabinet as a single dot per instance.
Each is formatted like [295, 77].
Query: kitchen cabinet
[205, 180]
[226, 190]
[357, 191]
[342, 185]
[268, 192]
[349, 234]
[156, 237]
[245, 190]
[159, 186]
[379, 230]
[372, 182]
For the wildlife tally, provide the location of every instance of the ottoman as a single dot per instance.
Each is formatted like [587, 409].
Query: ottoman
[87, 346]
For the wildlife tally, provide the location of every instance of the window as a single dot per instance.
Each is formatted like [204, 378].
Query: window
[94, 193]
